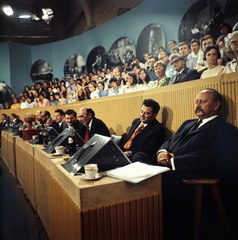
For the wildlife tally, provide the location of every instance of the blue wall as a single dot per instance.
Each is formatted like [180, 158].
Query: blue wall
[167, 13]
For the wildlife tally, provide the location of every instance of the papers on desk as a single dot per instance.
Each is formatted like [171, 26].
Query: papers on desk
[136, 172]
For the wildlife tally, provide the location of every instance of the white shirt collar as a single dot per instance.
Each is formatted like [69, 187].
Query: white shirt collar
[206, 120]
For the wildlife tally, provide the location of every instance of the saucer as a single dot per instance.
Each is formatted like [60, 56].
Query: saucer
[98, 176]
[58, 154]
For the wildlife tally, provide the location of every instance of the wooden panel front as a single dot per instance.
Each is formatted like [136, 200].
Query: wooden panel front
[25, 168]
[130, 220]
[11, 154]
[4, 143]
[41, 180]
[65, 216]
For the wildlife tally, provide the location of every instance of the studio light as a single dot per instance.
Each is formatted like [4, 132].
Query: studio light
[7, 10]
[25, 16]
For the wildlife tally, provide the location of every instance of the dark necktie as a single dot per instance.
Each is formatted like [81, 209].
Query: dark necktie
[87, 135]
[128, 143]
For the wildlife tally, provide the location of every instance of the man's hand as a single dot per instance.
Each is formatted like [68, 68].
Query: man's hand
[163, 158]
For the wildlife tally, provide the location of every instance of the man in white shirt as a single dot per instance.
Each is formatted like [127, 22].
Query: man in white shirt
[184, 50]
[24, 103]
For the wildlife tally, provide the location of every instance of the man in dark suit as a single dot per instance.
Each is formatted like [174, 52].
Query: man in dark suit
[5, 122]
[57, 123]
[183, 74]
[94, 125]
[146, 133]
[203, 148]
[15, 122]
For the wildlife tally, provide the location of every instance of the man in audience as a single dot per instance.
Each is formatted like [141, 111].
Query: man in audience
[4, 122]
[49, 92]
[71, 120]
[38, 86]
[164, 57]
[232, 66]
[45, 86]
[146, 133]
[160, 50]
[94, 125]
[184, 50]
[195, 47]
[114, 90]
[203, 148]
[151, 70]
[146, 57]
[183, 73]
[24, 103]
[172, 44]
[71, 82]
[42, 101]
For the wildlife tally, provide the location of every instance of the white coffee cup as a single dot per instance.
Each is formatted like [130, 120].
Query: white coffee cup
[59, 149]
[91, 170]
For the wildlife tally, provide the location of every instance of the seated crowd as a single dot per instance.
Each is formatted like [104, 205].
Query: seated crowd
[186, 62]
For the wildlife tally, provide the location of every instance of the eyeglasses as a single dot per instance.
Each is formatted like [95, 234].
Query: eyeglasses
[234, 42]
[176, 61]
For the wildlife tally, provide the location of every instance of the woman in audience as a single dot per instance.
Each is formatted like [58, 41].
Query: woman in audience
[101, 91]
[31, 103]
[25, 93]
[31, 95]
[27, 89]
[62, 99]
[160, 69]
[92, 88]
[117, 74]
[16, 104]
[87, 80]
[81, 95]
[87, 92]
[135, 68]
[57, 97]
[6, 105]
[131, 83]
[70, 97]
[53, 101]
[233, 45]
[211, 55]
[63, 88]
[144, 80]
[33, 89]
[78, 87]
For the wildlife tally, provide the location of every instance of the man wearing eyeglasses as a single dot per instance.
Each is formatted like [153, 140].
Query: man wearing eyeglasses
[233, 45]
[182, 73]
[164, 57]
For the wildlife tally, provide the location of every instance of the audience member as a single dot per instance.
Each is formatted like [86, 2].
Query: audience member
[195, 47]
[101, 91]
[92, 88]
[175, 50]
[135, 68]
[71, 82]
[16, 104]
[212, 54]
[46, 118]
[117, 74]
[233, 45]
[160, 72]
[172, 44]
[164, 57]
[144, 81]
[146, 133]
[15, 121]
[146, 57]
[151, 70]
[38, 117]
[7, 105]
[70, 97]
[24, 103]
[93, 124]
[183, 73]
[87, 92]
[114, 90]
[190, 60]
[42, 101]
[53, 101]
[131, 83]
[31, 103]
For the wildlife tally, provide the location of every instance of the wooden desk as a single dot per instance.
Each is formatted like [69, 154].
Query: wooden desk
[73, 208]
[4, 142]
[11, 153]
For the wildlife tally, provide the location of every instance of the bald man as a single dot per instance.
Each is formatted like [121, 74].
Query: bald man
[94, 125]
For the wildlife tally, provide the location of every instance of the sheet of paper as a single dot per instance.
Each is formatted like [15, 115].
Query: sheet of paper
[136, 172]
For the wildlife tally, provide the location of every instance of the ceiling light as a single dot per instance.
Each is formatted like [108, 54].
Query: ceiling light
[25, 16]
[8, 10]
